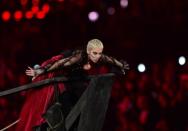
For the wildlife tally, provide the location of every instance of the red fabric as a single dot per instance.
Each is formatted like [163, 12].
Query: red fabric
[37, 101]
[52, 60]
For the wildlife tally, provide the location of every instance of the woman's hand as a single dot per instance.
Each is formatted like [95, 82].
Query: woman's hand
[34, 72]
[30, 72]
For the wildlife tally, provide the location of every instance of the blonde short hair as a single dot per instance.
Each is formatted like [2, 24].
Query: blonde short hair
[94, 43]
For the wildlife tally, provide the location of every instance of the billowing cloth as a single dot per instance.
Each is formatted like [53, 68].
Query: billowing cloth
[38, 100]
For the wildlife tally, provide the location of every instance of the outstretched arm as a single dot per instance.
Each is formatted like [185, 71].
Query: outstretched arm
[51, 66]
[74, 58]
[123, 65]
[64, 62]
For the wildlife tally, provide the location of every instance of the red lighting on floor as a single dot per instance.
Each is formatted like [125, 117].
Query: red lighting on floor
[18, 15]
[6, 15]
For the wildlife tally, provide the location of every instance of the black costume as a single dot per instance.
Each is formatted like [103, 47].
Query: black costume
[72, 66]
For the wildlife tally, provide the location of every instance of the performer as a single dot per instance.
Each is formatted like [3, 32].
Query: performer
[79, 63]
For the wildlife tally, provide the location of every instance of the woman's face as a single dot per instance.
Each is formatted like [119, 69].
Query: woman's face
[95, 54]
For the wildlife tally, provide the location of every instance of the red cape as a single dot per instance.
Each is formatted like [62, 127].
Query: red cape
[38, 100]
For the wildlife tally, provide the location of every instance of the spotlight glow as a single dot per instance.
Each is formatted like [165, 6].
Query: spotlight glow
[182, 60]
[93, 16]
[141, 67]
[124, 3]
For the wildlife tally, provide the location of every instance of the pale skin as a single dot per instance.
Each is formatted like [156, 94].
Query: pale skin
[94, 55]
[31, 72]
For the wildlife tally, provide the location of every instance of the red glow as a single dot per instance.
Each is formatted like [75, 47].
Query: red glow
[35, 2]
[18, 15]
[61, 0]
[35, 9]
[6, 15]
[29, 14]
[40, 15]
[46, 8]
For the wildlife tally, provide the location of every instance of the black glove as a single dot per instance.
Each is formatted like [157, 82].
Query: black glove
[125, 66]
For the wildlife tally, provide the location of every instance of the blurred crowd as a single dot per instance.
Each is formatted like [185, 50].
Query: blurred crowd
[152, 101]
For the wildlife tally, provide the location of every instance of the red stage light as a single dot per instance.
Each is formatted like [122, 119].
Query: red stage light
[40, 15]
[35, 9]
[29, 15]
[18, 15]
[6, 15]
[46, 8]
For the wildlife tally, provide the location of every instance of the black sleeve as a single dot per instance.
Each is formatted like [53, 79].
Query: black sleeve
[67, 61]
[122, 65]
